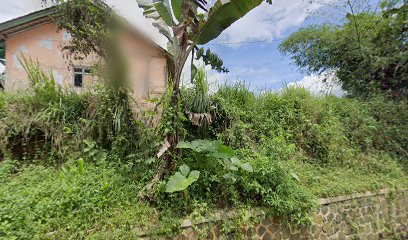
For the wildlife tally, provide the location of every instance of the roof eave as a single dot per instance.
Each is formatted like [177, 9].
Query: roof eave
[26, 21]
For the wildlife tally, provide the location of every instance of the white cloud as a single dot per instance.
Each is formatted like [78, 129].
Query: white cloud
[325, 84]
[268, 22]
[11, 9]
[252, 70]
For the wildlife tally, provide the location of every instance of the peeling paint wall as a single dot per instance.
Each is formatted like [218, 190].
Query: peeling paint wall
[66, 36]
[47, 43]
[44, 43]
[16, 62]
[59, 79]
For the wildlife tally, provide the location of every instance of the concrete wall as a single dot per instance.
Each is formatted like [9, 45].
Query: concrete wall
[370, 215]
[365, 216]
[43, 43]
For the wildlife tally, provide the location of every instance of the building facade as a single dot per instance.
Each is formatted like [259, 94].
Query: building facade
[36, 36]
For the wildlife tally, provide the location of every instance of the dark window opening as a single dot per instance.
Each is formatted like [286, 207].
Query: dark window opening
[78, 80]
[79, 73]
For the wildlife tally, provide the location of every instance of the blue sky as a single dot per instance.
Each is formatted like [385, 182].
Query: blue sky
[259, 64]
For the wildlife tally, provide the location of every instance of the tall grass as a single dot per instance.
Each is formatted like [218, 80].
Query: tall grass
[328, 130]
[42, 85]
[200, 99]
[299, 147]
[54, 118]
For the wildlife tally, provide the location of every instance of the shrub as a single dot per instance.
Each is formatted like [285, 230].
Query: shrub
[50, 120]
[81, 199]
[274, 150]
[327, 130]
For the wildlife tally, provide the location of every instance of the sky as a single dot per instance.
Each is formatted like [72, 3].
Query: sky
[249, 48]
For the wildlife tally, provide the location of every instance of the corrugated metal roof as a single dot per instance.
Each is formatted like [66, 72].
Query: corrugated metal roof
[32, 18]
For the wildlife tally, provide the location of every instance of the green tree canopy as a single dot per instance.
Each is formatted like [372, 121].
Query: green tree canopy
[369, 52]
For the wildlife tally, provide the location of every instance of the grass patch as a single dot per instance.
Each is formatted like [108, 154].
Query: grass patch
[335, 181]
[92, 200]
[72, 166]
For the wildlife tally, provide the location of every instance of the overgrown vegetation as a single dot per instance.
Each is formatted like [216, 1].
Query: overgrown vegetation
[280, 151]
[74, 166]
[368, 52]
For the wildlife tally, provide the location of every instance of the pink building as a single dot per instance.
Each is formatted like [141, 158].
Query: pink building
[36, 36]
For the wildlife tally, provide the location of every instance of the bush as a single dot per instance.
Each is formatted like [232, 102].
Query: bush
[326, 130]
[82, 199]
[48, 120]
[278, 151]
[367, 62]
[242, 179]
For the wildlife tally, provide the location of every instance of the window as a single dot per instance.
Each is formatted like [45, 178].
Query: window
[79, 73]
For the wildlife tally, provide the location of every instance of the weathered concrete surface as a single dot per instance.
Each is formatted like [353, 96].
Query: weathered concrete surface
[370, 215]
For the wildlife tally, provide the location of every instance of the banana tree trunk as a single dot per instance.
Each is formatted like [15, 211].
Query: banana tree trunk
[173, 139]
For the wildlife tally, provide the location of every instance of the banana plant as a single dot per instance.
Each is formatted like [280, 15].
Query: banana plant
[188, 24]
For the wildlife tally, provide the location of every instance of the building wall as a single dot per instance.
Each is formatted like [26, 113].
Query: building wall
[365, 216]
[43, 43]
[371, 216]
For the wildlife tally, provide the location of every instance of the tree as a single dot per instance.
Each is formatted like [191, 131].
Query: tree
[186, 24]
[369, 52]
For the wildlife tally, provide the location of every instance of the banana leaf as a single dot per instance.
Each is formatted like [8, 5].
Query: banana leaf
[221, 16]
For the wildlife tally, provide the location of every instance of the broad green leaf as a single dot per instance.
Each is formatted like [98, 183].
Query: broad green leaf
[150, 11]
[230, 176]
[222, 151]
[226, 150]
[177, 183]
[247, 167]
[186, 145]
[193, 177]
[295, 176]
[145, 4]
[197, 145]
[176, 5]
[233, 168]
[235, 161]
[150, 160]
[164, 10]
[222, 15]
[194, 71]
[163, 28]
[160, 13]
[184, 170]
